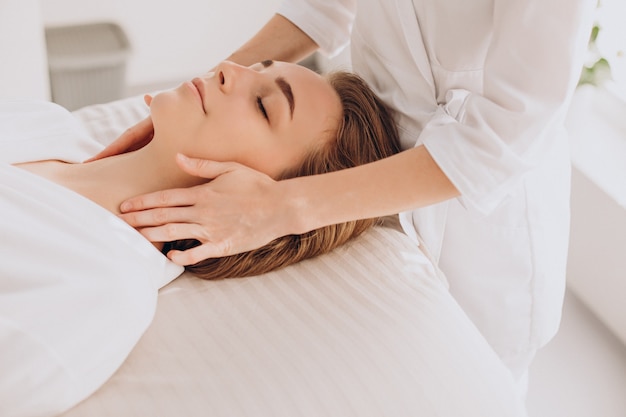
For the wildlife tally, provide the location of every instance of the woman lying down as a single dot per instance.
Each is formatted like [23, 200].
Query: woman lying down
[78, 286]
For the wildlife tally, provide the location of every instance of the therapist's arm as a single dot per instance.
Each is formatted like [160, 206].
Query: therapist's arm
[405, 181]
[242, 209]
[279, 40]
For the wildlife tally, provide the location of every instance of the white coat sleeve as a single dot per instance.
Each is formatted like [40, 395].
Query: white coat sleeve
[327, 22]
[532, 66]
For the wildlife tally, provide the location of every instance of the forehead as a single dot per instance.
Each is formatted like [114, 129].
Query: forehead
[316, 101]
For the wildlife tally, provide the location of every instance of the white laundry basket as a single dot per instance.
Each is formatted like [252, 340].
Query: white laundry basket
[87, 63]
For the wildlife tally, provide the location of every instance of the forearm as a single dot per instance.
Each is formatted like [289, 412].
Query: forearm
[279, 40]
[402, 182]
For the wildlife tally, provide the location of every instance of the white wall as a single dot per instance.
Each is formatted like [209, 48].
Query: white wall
[597, 257]
[23, 64]
[597, 263]
[170, 39]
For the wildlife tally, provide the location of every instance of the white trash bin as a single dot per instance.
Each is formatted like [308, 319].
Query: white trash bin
[87, 63]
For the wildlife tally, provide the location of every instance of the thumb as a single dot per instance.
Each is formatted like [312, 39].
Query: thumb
[202, 167]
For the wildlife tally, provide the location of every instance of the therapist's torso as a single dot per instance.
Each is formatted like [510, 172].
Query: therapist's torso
[506, 268]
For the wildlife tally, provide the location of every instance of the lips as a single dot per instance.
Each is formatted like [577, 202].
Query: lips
[198, 87]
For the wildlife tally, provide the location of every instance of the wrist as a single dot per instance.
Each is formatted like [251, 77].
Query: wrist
[297, 211]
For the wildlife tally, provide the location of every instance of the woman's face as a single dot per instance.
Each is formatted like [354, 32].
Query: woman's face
[266, 116]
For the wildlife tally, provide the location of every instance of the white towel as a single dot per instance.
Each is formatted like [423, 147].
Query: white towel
[78, 286]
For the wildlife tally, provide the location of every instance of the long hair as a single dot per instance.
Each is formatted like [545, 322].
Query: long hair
[366, 133]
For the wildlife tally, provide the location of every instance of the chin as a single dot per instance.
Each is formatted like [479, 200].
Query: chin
[167, 108]
[165, 100]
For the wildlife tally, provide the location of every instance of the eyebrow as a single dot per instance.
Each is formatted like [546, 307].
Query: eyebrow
[284, 86]
[286, 89]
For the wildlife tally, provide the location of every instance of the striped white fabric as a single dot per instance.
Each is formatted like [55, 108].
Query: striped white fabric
[105, 122]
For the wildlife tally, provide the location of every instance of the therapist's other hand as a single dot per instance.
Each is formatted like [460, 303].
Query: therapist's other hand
[135, 137]
[225, 214]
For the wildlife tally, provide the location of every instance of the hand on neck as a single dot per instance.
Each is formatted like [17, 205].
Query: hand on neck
[149, 169]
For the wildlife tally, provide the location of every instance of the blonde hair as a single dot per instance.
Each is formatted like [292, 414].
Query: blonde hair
[366, 133]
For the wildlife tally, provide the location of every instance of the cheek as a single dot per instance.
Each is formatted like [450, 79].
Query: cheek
[174, 119]
[232, 127]
[210, 138]
[233, 134]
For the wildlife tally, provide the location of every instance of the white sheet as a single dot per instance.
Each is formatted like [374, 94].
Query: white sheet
[78, 286]
[352, 333]
[367, 330]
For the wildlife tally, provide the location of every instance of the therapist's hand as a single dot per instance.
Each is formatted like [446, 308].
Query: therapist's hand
[239, 210]
[135, 137]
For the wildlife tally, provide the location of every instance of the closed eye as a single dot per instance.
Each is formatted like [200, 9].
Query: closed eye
[259, 103]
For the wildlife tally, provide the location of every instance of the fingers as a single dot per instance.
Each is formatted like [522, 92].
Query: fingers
[218, 213]
[177, 231]
[204, 168]
[155, 217]
[147, 99]
[173, 231]
[139, 135]
[180, 197]
[198, 253]
[133, 138]
[114, 148]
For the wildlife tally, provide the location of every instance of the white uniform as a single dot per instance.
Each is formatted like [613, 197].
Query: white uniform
[78, 286]
[484, 85]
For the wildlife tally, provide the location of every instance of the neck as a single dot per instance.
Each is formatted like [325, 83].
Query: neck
[110, 181]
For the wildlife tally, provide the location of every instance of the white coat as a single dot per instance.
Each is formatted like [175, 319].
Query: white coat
[484, 85]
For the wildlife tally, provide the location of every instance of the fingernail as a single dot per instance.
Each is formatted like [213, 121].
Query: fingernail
[126, 206]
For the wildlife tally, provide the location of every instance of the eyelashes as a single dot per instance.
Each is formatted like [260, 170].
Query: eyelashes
[259, 103]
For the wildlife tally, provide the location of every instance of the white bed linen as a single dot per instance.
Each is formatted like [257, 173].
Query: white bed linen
[352, 333]
[367, 330]
[78, 286]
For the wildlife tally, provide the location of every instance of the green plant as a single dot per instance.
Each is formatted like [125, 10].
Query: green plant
[606, 59]
[597, 70]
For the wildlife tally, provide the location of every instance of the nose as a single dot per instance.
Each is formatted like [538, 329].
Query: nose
[230, 74]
